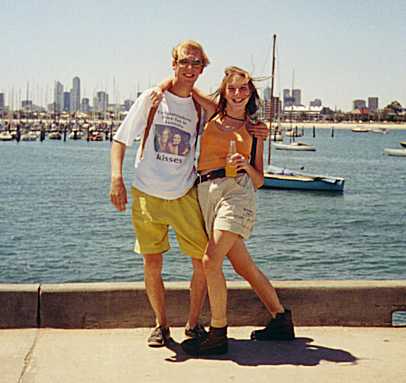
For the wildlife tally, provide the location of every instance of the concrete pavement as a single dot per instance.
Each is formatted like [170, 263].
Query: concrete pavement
[319, 354]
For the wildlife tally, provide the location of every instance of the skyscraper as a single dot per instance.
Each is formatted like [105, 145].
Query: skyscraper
[58, 96]
[373, 104]
[66, 101]
[267, 93]
[1, 102]
[85, 105]
[287, 99]
[75, 95]
[297, 97]
[101, 101]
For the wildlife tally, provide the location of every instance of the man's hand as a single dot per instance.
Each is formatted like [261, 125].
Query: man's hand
[118, 193]
[259, 130]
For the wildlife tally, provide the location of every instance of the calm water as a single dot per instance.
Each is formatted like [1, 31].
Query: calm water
[57, 224]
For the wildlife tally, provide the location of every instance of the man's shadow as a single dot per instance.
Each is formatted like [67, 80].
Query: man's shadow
[245, 352]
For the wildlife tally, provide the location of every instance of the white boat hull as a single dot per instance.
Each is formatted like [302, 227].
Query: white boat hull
[298, 146]
[278, 178]
[395, 152]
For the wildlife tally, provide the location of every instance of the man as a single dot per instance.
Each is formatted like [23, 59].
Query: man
[163, 193]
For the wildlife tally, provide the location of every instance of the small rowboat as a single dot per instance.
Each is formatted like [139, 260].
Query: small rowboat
[395, 152]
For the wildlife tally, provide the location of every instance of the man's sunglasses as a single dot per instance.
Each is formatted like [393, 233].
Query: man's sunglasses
[194, 63]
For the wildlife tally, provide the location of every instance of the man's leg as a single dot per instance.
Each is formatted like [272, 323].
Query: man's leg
[198, 290]
[155, 287]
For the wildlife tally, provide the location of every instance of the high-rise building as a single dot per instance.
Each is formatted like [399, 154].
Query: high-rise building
[75, 95]
[58, 96]
[287, 98]
[66, 101]
[2, 107]
[85, 105]
[101, 101]
[373, 104]
[267, 93]
[297, 97]
[275, 108]
[358, 104]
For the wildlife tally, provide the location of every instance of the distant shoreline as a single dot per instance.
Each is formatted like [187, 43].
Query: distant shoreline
[342, 125]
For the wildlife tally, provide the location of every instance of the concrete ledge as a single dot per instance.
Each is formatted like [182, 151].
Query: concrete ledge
[18, 306]
[314, 303]
[125, 305]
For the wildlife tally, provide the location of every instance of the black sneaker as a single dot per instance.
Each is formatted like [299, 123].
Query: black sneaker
[159, 337]
[216, 343]
[196, 332]
[279, 328]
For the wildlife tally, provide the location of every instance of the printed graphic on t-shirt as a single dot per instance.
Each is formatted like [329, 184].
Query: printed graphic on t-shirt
[171, 140]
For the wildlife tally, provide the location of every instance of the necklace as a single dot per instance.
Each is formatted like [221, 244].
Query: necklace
[234, 118]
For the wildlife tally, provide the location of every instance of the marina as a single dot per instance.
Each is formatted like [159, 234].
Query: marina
[57, 223]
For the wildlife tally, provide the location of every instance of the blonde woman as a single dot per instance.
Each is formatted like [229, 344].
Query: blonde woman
[228, 207]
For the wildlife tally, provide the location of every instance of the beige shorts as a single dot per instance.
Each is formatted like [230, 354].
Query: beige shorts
[228, 204]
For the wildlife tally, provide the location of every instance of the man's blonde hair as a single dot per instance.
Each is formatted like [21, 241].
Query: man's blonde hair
[189, 44]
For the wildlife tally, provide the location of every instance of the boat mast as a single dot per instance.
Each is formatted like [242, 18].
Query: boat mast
[271, 114]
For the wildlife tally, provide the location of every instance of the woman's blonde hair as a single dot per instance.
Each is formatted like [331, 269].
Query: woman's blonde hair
[254, 100]
[189, 44]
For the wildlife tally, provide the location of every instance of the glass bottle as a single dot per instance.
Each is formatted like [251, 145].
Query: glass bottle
[231, 170]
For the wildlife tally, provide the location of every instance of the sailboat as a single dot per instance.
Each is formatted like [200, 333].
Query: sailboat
[282, 178]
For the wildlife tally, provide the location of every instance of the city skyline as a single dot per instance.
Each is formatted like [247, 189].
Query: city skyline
[338, 52]
[71, 100]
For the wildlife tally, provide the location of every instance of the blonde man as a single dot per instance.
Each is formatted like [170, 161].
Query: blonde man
[163, 192]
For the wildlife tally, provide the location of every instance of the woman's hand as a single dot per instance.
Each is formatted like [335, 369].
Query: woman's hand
[157, 93]
[240, 162]
[156, 96]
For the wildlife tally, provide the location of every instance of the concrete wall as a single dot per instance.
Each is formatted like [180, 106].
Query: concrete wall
[125, 305]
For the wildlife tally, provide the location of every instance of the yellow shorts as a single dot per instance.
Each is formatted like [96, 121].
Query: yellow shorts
[228, 204]
[152, 216]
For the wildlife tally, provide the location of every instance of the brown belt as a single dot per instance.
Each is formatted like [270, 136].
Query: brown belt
[218, 173]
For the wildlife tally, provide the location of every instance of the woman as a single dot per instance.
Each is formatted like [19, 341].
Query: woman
[228, 207]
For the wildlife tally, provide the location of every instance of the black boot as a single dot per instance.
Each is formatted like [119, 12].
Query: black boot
[216, 343]
[279, 328]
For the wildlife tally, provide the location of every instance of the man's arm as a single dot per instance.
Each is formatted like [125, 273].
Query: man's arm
[259, 130]
[118, 192]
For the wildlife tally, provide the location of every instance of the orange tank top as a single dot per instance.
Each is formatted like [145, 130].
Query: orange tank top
[215, 143]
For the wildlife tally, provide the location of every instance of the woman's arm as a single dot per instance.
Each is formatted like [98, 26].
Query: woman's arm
[256, 172]
[206, 102]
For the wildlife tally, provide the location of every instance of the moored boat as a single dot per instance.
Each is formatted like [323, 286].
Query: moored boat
[29, 136]
[395, 152]
[403, 144]
[280, 178]
[379, 130]
[6, 136]
[360, 129]
[54, 136]
[297, 145]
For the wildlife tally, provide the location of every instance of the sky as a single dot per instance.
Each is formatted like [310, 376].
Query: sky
[337, 51]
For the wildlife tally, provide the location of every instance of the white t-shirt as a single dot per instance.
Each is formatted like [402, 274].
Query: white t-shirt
[167, 168]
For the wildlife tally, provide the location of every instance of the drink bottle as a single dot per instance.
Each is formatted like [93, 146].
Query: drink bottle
[231, 170]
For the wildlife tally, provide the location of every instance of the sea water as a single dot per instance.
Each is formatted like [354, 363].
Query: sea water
[57, 223]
